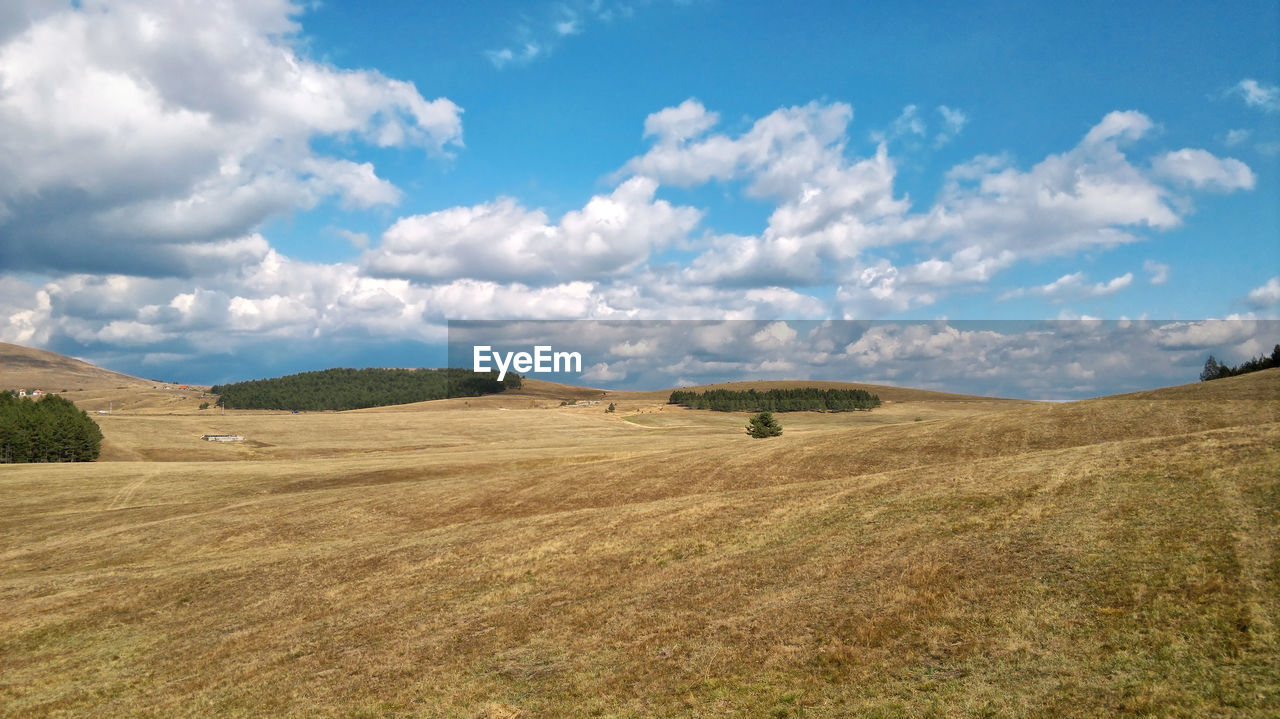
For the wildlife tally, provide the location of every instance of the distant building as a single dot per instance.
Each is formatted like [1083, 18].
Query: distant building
[222, 438]
[38, 393]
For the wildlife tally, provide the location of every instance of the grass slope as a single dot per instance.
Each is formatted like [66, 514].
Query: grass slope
[27, 368]
[1110, 557]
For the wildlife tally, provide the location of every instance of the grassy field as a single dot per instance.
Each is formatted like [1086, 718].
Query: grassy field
[508, 557]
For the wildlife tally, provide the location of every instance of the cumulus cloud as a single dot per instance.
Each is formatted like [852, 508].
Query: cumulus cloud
[1090, 196]
[1046, 359]
[503, 241]
[680, 123]
[837, 224]
[1205, 334]
[828, 207]
[604, 372]
[1267, 295]
[1201, 169]
[834, 213]
[779, 154]
[130, 165]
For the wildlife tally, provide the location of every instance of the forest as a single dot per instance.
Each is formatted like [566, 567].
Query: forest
[802, 399]
[343, 388]
[1216, 370]
[47, 430]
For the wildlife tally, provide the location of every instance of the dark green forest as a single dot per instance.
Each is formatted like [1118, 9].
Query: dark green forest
[1215, 370]
[339, 389]
[802, 399]
[47, 430]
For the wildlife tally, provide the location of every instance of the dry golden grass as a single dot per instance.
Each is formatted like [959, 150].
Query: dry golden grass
[27, 368]
[1110, 557]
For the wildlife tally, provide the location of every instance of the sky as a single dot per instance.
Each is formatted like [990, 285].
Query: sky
[209, 192]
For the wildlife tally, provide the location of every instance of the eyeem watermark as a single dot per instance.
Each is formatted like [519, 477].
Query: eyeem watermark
[543, 359]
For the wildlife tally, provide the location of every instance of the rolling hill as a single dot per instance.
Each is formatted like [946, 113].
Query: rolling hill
[28, 368]
[515, 558]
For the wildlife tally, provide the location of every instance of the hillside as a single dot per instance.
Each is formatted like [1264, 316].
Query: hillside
[1261, 385]
[28, 368]
[1112, 557]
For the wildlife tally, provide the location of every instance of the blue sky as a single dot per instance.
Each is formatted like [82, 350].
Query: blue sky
[215, 193]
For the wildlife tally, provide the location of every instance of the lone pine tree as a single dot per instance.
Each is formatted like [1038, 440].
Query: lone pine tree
[764, 425]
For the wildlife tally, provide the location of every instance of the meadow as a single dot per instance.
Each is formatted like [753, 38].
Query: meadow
[507, 556]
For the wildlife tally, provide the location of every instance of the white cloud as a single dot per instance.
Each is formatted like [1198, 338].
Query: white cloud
[1201, 169]
[506, 56]
[604, 372]
[1205, 333]
[836, 223]
[1267, 295]
[680, 123]
[908, 124]
[638, 348]
[953, 121]
[1087, 197]
[1158, 270]
[358, 240]
[1260, 95]
[129, 164]
[1054, 359]
[829, 208]
[539, 32]
[502, 241]
[1072, 286]
[1236, 137]
[1117, 126]
[833, 212]
[780, 153]
[773, 335]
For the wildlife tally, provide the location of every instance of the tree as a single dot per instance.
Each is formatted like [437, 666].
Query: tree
[1212, 370]
[611, 408]
[764, 425]
[51, 430]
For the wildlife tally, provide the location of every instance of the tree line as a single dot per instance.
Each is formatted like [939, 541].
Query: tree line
[344, 388]
[800, 399]
[1216, 370]
[48, 430]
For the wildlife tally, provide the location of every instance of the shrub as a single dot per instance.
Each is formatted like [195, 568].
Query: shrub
[764, 425]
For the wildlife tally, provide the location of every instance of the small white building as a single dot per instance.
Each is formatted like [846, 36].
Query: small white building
[222, 438]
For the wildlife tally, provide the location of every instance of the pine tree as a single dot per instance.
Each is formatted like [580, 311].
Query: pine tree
[1212, 370]
[764, 425]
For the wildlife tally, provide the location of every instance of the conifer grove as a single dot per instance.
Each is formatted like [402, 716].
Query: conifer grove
[339, 389]
[777, 400]
[49, 430]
